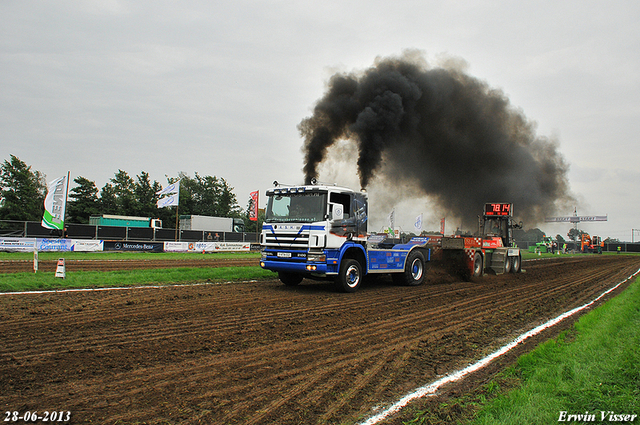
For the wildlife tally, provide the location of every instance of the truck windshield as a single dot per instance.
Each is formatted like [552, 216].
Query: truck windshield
[301, 207]
[495, 227]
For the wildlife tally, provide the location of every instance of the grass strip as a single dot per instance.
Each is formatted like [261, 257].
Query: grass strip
[592, 371]
[17, 282]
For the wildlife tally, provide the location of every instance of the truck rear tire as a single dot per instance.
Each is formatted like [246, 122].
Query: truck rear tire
[477, 265]
[414, 270]
[516, 264]
[290, 279]
[507, 263]
[350, 276]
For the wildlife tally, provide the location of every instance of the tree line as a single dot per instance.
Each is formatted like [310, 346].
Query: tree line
[23, 190]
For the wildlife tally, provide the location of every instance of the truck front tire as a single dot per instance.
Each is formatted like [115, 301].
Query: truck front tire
[414, 270]
[290, 279]
[350, 276]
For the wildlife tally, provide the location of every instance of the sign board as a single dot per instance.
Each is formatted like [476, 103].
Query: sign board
[133, 246]
[575, 219]
[18, 244]
[222, 246]
[87, 245]
[493, 210]
[63, 245]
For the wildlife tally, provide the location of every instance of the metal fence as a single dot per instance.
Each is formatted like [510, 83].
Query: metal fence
[32, 229]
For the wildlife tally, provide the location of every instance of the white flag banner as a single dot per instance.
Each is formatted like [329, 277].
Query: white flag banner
[170, 189]
[55, 204]
[169, 201]
[173, 190]
[418, 223]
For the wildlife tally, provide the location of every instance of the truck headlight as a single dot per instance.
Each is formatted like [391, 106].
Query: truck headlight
[317, 258]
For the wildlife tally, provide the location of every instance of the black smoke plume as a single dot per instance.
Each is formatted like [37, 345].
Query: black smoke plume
[458, 139]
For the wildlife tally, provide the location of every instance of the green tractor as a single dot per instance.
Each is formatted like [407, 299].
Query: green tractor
[543, 246]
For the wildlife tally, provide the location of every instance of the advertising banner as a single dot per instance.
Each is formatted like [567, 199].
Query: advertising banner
[179, 246]
[54, 244]
[133, 246]
[222, 246]
[18, 244]
[87, 245]
[55, 204]
[253, 209]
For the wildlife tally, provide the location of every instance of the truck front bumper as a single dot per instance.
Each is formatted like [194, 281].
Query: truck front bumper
[294, 267]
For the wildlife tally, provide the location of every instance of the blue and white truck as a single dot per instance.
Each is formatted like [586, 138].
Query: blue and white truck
[320, 232]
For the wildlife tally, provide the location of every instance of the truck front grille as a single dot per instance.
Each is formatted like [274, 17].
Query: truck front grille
[287, 240]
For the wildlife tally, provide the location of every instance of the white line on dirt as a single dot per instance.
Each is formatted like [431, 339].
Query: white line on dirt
[430, 389]
[119, 288]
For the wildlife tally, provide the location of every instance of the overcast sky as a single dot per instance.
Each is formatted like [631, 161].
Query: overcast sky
[219, 87]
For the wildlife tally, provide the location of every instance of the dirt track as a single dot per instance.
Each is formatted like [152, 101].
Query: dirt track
[263, 353]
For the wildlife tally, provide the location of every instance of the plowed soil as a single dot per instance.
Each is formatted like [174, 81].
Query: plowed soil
[264, 353]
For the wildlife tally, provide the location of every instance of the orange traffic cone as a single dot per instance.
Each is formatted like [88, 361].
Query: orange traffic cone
[60, 269]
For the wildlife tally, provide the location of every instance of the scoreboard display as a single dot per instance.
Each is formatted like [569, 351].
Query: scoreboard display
[496, 210]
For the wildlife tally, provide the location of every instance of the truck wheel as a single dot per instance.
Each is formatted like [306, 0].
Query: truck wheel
[350, 276]
[414, 270]
[290, 279]
[507, 263]
[477, 265]
[516, 264]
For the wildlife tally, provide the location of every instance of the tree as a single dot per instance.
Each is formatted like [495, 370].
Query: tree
[531, 235]
[118, 196]
[123, 187]
[83, 201]
[108, 201]
[145, 195]
[125, 196]
[575, 234]
[207, 195]
[22, 191]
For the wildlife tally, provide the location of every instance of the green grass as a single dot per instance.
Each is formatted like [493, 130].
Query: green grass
[11, 282]
[593, 368]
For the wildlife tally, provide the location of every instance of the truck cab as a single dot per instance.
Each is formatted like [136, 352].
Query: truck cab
[320, 232]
